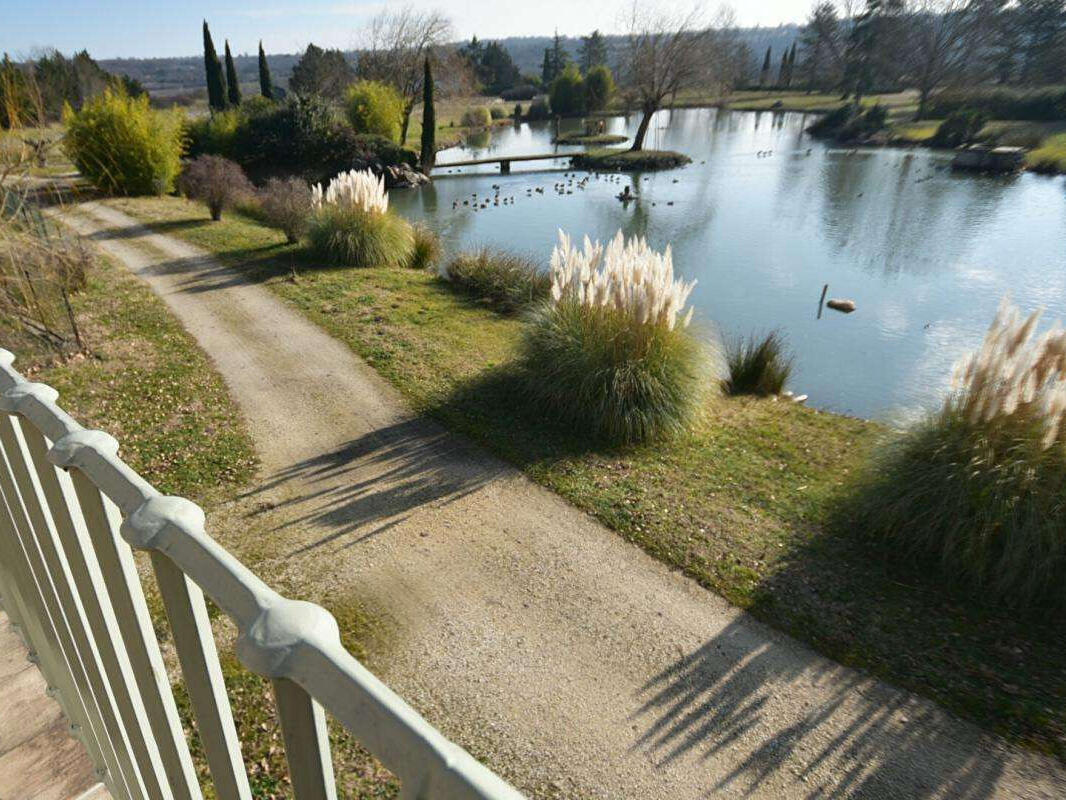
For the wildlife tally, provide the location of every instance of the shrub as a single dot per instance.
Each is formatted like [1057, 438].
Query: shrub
[526, 91]
[124, 146]
[425, 253]
[960, 128]
[598, 88]
[1034, 105]
[508, 281]
[351, 224]
[568, 92]
[216, 182]
[1050, 157]
[539, 109]
[980, 487]
[285, 204]
[517, 113]
[216, 134]
[477, 117]
[375, 108]
[497, 112]
[609, 354]
[849, 123]
[757, 366]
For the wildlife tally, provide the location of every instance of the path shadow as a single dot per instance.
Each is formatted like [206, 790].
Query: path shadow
[877, 741]
[139, 231]
[373, 483]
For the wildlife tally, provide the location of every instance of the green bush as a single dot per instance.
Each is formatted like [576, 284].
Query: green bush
[603, 375]
[477, 117]
[497, 112]
[426, 250]
[757, 366]
[568, 92]
[849, 124]
[300, 136]
[598, 88]
[1034, 105]
[538, 109]
[958, 129]
[374, 108]
[351, 237]
[124, 146]
[508, 281]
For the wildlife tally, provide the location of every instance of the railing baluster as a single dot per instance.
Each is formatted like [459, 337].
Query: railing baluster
[195, 644]
[303, 727]
[40, 613]
[134, 622]
[53, 580]
[81, 583]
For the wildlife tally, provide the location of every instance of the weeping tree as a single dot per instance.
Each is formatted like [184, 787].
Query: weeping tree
[216, 83]
[232, 82]
[665, 53]
[429, 121]
[266, 83]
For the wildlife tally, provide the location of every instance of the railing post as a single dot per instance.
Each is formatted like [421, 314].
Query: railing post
[195, 644]
[135, 625]
[303, 727]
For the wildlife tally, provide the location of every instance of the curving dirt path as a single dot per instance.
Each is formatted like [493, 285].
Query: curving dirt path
[571, 661]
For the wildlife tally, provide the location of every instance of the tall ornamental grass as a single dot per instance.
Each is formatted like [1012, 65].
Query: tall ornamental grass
[979, 488]
[759, 366]
[351, 225]
[609, 353]
[123, 146]
[508, 281]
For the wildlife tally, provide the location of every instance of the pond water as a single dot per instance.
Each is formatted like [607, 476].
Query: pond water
[764, 216]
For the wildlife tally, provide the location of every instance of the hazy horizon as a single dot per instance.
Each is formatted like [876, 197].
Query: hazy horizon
[128, 29]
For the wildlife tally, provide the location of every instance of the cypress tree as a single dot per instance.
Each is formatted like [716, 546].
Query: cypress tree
[429, 122]
[791, 66]
[782, 71]
[231, 79]
[216, 86]
[266, 84]
[764, 76]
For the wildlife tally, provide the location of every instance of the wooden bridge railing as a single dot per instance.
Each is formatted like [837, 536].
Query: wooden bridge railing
[71, 512]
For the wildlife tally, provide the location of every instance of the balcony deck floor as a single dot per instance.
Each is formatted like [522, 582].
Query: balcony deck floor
[39, 758]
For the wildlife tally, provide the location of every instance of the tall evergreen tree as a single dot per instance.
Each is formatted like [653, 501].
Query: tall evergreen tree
[216, 84]
[266, 83]
[429, 123]
[790, 72]
[593, 51]
[782, 70]
[546, 73]
[232, 82]
[764, 76]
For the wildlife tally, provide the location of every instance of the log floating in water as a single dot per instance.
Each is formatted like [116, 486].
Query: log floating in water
[846, 306]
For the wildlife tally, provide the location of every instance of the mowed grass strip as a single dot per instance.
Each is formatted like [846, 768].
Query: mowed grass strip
[741, 503]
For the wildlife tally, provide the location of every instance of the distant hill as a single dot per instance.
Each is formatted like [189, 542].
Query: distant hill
[170, 76]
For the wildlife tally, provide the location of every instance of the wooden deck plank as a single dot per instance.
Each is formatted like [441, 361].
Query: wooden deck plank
[39, 758]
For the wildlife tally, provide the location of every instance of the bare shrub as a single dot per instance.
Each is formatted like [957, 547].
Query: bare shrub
[215, 181]
[285, 204]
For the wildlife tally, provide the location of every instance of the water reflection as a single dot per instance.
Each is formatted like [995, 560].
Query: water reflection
[764, 216]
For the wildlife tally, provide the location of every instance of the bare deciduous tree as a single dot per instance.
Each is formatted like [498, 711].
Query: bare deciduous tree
[665, 53]
[397, 44]
[944, 36]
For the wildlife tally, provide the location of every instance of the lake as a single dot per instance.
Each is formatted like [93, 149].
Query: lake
[765, 216]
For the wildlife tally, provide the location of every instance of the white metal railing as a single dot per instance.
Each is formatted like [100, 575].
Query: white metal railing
[71, 511]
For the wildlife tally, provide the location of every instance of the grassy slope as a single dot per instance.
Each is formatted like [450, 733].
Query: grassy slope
[147, 383]
[739, 504]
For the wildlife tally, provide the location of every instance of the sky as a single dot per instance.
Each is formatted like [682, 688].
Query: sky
[145, 29]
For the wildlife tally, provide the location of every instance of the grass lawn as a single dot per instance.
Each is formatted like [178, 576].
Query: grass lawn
[740, 503]
[144, 380]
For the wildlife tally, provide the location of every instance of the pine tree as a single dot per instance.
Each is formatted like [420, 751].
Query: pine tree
[231, 79]
[782, 70]
[764, 76]
[429, 123]
[546, 75]
[266, 83]
[791, 66]
[216, 85]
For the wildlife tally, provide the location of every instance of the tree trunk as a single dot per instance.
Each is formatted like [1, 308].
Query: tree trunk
[216, 211]
[642, 130]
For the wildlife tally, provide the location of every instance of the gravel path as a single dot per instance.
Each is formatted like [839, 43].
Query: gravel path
[570, 660]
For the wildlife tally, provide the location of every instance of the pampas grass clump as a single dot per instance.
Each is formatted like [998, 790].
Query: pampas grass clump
[351, 224]
[609, 352]
[757, 366]
[425, 254]
[979, 488]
